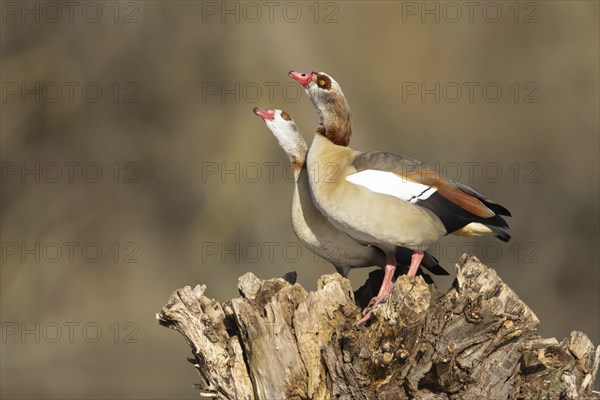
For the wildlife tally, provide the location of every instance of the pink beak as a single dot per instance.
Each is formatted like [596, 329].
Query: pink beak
[264, 114]
[302, 78]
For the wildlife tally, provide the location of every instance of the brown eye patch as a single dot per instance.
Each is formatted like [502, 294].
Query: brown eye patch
[323, 81]
[285, 116]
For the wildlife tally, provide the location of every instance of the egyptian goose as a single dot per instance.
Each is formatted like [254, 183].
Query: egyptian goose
[310, 226]
[382, 198]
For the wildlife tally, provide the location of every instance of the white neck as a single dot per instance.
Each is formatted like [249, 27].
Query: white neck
[291, 142]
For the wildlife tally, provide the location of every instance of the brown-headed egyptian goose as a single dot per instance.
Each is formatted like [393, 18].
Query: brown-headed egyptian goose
[382, 198]
[310, 226]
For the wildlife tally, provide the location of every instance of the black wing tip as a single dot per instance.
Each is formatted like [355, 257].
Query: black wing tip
[499, 228]
[492, 205]
[498, 209]
[505, 239]
[503, 235]
[437, 270]
[433, 265]
[500, 222]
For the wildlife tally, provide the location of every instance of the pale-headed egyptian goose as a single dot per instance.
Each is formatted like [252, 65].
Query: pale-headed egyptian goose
[311, 227]
[382, 198]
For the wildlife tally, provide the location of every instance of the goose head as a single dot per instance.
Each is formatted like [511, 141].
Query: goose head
[287, 134]
[335, 120]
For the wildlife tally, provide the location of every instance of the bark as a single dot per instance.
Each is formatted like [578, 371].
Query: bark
[476, 341]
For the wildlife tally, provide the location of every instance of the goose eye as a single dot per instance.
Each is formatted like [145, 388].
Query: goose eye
[285, 116]
[322, 83]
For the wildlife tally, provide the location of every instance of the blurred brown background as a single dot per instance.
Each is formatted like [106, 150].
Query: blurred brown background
[193, 187]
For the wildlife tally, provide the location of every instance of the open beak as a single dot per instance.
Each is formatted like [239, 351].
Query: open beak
[264, 114]
[302, 78]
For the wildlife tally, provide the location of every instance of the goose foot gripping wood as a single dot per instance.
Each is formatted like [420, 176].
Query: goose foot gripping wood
[477, 341]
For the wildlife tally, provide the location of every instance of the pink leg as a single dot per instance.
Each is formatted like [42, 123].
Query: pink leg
[415, 261]
[384, 291]
[387, 284]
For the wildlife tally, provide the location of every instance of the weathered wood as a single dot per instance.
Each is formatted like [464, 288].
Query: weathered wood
[477, 341]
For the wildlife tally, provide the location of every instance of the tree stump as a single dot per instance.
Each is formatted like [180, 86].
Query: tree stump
[477, 341]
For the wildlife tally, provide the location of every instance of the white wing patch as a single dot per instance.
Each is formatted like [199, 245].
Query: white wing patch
[391, 184]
